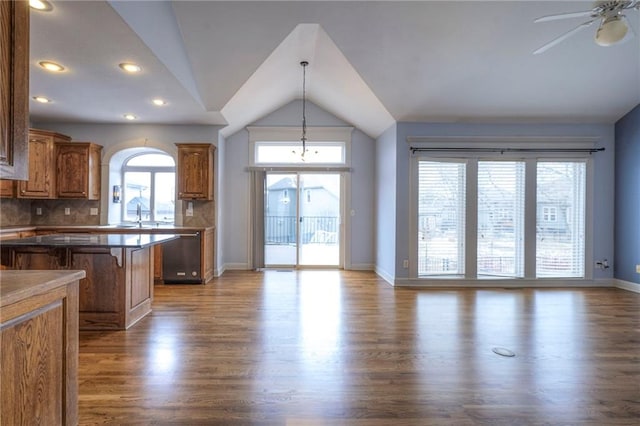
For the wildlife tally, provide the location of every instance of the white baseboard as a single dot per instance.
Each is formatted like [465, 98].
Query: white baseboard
[505, 283]
[362, 267]
[626, 285]
[231, 267]
[384, 275]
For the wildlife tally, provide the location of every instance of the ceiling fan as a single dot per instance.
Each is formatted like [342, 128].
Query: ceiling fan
[613, 28]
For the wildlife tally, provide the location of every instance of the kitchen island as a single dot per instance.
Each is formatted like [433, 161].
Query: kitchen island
[118, 288]
[39, 347]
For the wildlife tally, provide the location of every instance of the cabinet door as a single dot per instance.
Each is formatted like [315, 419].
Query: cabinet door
[195, 171]
[7, 188]
[41, 161]
[72, 164]
[14, 88]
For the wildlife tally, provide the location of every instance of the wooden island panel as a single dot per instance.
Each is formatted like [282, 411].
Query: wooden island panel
[39, 347]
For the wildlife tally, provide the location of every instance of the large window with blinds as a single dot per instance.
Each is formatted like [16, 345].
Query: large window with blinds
[501, 218]
[560, 219]
[441, 215]
[501, 197]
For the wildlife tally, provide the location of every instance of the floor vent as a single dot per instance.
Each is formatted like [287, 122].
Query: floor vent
[503, 352]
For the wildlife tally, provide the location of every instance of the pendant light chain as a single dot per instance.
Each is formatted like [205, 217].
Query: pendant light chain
[304, 108]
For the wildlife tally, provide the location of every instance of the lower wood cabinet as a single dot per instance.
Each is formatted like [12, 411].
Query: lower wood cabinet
[39, 347]
[118, 288]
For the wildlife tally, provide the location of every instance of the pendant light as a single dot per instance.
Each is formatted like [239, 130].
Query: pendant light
[304, 108]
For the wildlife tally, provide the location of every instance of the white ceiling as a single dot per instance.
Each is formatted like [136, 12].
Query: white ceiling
[371, 63]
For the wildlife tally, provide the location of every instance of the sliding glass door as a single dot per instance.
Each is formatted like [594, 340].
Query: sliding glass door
[302, 219]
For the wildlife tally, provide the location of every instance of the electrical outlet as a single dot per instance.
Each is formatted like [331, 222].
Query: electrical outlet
[405, 263]
[93, 211]
[638, 269]
[67, 211]
[39, 211]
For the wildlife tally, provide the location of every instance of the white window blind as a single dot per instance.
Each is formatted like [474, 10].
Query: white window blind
[441, 213]
[560, 223]
[501, 218]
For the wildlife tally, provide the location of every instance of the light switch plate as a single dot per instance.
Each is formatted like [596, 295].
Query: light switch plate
[93, 211]
[638, 269]
[67, 211]
[38, 211]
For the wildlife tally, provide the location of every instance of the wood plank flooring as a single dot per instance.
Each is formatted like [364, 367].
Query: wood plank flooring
[331, 347]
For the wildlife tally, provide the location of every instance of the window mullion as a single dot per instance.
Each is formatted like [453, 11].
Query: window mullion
[471, 221]
[530, 203]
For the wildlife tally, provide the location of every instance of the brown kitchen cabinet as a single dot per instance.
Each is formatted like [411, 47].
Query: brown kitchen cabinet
[195, 171]
[207, 254]
[39, 347]
[157, 262]
[42, 165]
[7, 188]
[14, 89]
[78, 170]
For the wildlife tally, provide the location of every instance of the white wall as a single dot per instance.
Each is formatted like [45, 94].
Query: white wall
[236, 188]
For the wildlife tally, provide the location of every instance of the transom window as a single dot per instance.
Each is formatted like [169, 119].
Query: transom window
[291, 153]
[282, 147]
[149, 188]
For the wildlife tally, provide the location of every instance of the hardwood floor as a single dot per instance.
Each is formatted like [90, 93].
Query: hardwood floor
[329, 347]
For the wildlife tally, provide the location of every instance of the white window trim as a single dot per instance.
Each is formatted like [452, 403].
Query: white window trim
[145, 169]
[530, 158]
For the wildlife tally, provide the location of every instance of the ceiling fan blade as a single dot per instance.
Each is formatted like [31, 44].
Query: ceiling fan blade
[563, 37]
[592, 13]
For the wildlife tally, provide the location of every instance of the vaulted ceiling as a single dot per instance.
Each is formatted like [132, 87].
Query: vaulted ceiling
[371, 63]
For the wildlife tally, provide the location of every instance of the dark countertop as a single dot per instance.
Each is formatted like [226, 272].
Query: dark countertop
[116, 229]
[91, 240]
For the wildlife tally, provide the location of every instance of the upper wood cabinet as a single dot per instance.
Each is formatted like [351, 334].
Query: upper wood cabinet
[78, 170]
[7, 188]
[42, 165]
[14, 88]
[195, 171]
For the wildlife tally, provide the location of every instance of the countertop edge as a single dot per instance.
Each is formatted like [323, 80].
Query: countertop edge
[16, 286]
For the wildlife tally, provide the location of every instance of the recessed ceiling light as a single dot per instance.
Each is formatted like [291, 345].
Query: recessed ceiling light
[130, 116]
[130, 67]
[51, 66]
[41, 99]
[159, 102]
[42, 5]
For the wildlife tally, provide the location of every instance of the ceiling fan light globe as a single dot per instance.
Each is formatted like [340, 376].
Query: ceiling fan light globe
[611, 31]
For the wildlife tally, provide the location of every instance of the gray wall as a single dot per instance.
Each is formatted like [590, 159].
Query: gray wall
[386, 211]
[236, 190]
[603, 220]
[627, 195]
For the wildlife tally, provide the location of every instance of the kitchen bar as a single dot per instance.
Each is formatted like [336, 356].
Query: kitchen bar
[118, 288]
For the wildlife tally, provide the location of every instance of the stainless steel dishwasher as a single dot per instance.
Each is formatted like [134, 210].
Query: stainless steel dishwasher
[181, 260]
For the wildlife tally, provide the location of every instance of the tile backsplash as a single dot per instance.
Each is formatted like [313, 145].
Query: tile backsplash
[48, 212]
[52, 212]
[15, 212]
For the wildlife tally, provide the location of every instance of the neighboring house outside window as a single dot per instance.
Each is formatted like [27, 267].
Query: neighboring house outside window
[149, 182]
[549, 214]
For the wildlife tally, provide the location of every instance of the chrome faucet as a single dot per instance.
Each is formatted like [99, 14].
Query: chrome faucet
[139, 215]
